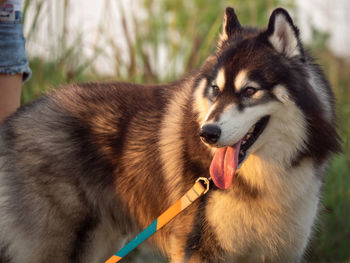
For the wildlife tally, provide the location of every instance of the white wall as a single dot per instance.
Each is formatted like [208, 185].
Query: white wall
[330, 16]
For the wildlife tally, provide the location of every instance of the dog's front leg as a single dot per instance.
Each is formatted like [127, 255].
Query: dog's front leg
[177, 252]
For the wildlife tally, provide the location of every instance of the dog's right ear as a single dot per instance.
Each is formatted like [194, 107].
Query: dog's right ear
[283, 35]
[230, 27]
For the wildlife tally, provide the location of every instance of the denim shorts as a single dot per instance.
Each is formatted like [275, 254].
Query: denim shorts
[13, 58]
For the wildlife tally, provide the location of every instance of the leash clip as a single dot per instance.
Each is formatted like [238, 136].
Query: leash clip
[205, 182]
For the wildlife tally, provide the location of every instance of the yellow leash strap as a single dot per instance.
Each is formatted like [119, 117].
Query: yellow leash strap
[200, 188]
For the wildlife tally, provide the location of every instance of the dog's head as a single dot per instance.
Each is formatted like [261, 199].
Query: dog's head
[250, 88]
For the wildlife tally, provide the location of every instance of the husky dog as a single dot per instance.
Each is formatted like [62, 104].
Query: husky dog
[88, 165]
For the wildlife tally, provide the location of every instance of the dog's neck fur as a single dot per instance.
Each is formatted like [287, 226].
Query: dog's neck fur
[283, 198]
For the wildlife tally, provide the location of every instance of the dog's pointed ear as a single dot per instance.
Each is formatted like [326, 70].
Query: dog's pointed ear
[230, 26]
[283, 34]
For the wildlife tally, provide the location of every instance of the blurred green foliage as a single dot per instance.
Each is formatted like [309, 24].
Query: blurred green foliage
[185, 32]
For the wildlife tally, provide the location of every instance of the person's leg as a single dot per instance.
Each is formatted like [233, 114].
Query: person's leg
[14, 66]
[10, 94]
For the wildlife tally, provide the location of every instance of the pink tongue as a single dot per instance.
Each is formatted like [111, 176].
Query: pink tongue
[224, 165]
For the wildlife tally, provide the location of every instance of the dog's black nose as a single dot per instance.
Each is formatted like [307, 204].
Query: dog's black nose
[210, 133]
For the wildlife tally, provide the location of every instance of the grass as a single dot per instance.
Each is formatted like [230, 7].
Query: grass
[332, 238]
[195, 25]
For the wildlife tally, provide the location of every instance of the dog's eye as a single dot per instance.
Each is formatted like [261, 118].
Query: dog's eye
[249, 91]
[216, 90]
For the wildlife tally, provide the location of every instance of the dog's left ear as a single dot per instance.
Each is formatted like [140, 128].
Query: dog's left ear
[283, 34]
[230, 26]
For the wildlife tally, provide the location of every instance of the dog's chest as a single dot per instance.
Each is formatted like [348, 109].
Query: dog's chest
[261, 228]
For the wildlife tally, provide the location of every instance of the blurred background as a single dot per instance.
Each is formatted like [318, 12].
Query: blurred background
[148, 41]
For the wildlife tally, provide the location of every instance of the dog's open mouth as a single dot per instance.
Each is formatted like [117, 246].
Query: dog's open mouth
[250, 138]
[227, 159]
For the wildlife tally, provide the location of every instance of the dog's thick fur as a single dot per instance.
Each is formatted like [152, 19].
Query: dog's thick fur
[89, 165]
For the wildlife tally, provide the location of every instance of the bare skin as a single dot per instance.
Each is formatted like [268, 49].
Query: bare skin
[10, 94]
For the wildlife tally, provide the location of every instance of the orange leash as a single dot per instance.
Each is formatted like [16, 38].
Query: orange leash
[200, 188]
